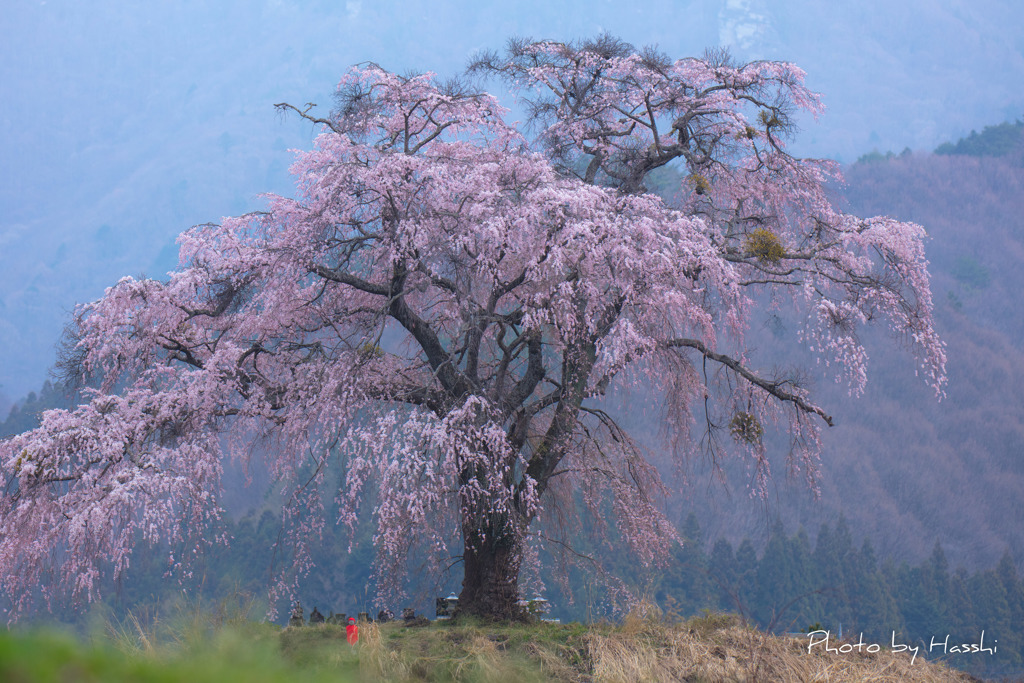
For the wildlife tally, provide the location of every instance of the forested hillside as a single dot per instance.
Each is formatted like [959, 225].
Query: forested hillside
[906, 470]
[954, 469]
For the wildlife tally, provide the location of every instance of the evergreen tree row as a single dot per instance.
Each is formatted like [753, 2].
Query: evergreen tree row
[832, 584]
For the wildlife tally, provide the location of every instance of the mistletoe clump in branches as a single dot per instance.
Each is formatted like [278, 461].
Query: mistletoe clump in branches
[446, 310]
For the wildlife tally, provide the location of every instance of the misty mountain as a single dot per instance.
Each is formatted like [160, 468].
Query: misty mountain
[127, 122]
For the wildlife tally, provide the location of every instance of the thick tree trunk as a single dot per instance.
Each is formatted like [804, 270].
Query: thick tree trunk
[490, 587]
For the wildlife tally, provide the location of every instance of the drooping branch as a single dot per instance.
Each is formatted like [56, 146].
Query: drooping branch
[304, 113]
[531, 378]
[454, 381]
[345, 278]
[772, 387]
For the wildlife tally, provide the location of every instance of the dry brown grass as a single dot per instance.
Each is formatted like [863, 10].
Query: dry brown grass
[376, 660]
[643, 647]
[714, 649]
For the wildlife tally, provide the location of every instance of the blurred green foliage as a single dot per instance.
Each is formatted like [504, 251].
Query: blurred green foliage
[992, 141]
[970, 273]
[228, 655]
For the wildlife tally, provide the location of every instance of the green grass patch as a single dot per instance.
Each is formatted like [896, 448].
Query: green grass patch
[201, 648]
[231, 655]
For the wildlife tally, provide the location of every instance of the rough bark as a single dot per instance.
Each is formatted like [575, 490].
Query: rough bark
[490, 587]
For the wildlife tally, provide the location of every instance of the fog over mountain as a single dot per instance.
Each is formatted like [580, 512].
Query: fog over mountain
[125, 122]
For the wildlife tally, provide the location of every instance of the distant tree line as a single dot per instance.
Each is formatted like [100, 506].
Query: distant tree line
[794, 585]
[24, 414]
[874, 156]
[993, 141]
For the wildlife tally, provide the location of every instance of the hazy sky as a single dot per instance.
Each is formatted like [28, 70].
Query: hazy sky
[125, 122]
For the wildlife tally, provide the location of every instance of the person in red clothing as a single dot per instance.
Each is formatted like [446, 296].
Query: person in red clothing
[352, 631]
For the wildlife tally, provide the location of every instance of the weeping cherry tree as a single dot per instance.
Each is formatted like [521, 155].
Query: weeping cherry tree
[449, 313]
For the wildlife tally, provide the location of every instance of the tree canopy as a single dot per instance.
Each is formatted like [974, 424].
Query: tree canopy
[450, 310]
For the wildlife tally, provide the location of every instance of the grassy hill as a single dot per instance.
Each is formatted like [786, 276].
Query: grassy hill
[200, 649]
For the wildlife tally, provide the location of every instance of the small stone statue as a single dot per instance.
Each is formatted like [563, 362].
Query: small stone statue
[385, 615]
[315, 617]
[445, 607]
[297, 619]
